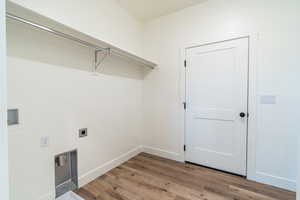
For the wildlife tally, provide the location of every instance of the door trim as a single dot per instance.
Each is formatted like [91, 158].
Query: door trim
[253, 39]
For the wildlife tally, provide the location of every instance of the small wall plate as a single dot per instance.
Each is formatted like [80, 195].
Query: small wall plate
[12, 117]
[268, 99]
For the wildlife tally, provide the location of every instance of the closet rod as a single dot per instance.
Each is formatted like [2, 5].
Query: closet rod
[70, 37]
[55, 32]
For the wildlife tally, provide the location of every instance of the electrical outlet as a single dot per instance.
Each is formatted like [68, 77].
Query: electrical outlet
[83, 132]
[268, 99]
[44, 141]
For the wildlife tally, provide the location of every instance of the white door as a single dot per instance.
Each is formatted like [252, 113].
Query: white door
[216, 105]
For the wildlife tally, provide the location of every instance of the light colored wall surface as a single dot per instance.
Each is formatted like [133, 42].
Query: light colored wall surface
[57, 71]
[298, 172]
[50, 82]
[277, 24]
[103, 19]
[3, 129]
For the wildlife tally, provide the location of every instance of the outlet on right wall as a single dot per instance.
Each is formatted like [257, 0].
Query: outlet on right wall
[274, 28]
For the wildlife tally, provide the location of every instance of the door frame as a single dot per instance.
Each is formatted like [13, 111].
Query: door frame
[253, 39]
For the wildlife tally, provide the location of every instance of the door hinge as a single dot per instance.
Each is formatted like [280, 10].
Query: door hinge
[184, 105]
[184, 63]
[184, 147]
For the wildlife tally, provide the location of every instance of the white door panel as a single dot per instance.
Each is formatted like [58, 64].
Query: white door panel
[216, 94]
[214, 114]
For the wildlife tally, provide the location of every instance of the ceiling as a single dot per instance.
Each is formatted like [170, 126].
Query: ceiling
[145, 10]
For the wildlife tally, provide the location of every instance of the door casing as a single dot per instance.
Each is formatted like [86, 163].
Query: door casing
[253, 39]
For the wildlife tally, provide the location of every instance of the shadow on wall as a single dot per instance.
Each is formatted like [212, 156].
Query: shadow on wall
[30, 43]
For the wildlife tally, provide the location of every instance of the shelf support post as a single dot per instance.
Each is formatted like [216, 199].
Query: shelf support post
[105, 52]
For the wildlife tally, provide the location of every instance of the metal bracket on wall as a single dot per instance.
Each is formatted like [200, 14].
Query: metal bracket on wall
[104, 54]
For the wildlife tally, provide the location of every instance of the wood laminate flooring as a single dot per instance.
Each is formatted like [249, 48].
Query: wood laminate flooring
[148, 177]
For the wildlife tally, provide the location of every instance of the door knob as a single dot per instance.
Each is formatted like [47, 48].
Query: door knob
[242, 114]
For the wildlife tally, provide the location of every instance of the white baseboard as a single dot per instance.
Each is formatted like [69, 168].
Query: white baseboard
[163, 153]
[258, 176]
[276, 181]
[95, 173]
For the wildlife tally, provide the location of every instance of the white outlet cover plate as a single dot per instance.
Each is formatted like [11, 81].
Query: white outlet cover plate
[44, 142]
[70, 196]
[268, 99]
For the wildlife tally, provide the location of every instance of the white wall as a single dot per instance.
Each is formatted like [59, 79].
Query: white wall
[298, 172]
[50, 82]
[56, 70]
[273, 160]
[102, 19]
[3, 129]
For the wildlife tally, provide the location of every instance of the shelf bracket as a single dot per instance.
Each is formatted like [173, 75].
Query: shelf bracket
[98, 61]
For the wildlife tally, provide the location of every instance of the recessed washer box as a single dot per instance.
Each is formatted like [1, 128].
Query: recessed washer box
[66, 175]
